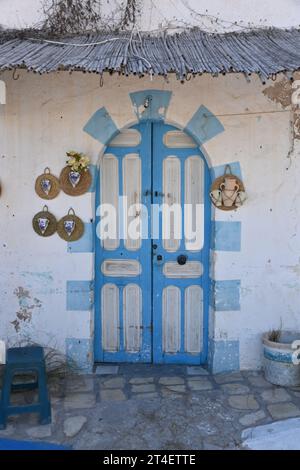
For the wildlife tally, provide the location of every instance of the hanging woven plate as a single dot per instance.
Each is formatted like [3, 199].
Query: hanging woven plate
[70, 227]
[75, 183]
[227, 192]
[44, 223]
[47, 185]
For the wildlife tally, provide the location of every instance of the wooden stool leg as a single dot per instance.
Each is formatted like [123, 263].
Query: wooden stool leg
[45, 414]
[5, 396]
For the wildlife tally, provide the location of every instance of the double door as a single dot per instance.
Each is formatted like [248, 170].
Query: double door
[152, 248]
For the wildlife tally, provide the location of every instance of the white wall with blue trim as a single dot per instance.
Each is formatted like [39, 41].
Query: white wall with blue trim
[46, 285]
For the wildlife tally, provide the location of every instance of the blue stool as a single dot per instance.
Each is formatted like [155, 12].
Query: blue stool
[27, 360]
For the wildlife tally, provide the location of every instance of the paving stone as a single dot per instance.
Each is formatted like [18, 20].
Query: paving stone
[115, 382]
[259, 382]
[56, 400]
[283, 410]
[143, 388]
[171, 381]
[8, 431]
[196, 370]
[112, 395]
[251, 373]
[166, 393]
[252, 418]
[177, 388]
[197, 385]
[79, 400]
[80, 384]
[40, 432]
[145, 396]
[235, 388]
[106, 370]
[243, 402]
[141, 380]
[275, 395]
[226, 378]
[73, 425]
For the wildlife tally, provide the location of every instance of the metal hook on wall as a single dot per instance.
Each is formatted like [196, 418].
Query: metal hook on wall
[15, 76]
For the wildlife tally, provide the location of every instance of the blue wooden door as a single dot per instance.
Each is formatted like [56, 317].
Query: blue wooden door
[151, 287]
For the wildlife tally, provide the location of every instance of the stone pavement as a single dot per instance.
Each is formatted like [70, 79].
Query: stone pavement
[155, 407]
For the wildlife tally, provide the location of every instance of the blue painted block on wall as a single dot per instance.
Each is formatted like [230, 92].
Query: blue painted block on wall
[156, 101]
[204, 125]
[219, 170]
[101, 126]
[79, 295]
[225, 295]
[79, 353]
[224, 356]
[85, 244]
[226, 236]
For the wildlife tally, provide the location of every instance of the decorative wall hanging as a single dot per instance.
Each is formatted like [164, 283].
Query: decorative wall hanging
[227, 192]
[70, 227]
[44, 223]
[47, 185]
[75, 178]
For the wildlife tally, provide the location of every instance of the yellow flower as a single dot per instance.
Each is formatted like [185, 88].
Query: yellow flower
[77, 160]
[71, 161]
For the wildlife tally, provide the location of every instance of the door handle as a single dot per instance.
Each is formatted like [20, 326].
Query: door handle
[159, 257]
[158, 193]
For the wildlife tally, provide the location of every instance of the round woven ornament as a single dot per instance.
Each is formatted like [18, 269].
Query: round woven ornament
[217, 184]
[70, 227]
[47, 185]
[44, 223]
[75, 183]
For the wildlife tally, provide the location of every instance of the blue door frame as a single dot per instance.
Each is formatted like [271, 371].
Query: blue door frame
[151, 280]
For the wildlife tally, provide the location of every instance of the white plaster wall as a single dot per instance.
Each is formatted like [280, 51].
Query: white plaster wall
[44, 117]
[216, 15]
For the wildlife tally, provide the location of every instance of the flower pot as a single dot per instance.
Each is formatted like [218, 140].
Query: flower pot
[278, 357]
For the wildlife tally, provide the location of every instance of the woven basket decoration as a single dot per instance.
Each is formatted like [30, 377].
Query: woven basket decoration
[47, 185]
[227, 192]
[44, 223]
[75, 183]
[70, 227]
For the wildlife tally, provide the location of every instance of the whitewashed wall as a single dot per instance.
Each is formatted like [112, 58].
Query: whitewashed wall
[157, 14]
[44, 116]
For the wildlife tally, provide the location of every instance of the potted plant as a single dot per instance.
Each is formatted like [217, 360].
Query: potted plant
[281, 361]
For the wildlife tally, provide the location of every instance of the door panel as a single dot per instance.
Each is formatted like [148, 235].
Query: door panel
[194, 199]
[193, 319]
[171, 319]
[109, 184]
[132, 181]
[132, 309]
[151, 296]
[171, 198]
